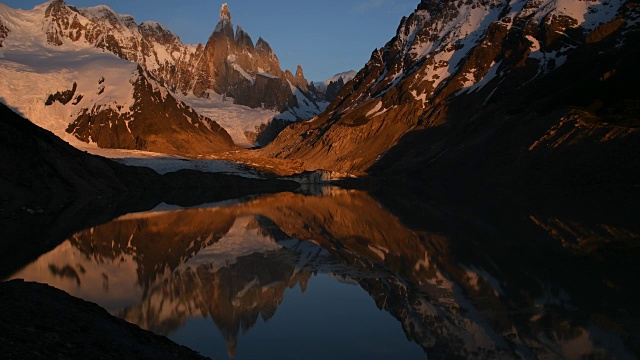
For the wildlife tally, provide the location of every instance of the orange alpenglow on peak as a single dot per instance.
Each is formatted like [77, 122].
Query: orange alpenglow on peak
[225, 14]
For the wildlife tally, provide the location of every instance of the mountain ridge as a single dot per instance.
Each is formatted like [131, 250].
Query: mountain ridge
[245, 74]
[221, 65]
[421, 96]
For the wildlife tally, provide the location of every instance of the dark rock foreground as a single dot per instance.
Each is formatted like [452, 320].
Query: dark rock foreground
[41, 322]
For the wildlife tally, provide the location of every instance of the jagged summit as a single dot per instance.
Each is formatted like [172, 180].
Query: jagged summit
[225, 14]
[154, 25]
[243, 39]
[263, 45]
[225, 25]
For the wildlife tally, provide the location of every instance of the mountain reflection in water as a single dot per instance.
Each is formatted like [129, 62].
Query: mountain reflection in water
[528, 285]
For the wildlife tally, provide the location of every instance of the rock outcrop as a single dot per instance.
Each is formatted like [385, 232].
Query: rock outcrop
[41, 322]
[4, 31]
[94, 95]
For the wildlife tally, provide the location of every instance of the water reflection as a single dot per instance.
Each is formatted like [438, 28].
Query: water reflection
[527, 285]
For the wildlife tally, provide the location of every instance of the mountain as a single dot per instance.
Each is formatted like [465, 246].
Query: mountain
[328, 90]
[498, 91]
[42, 173]
[78, 44]
[346, 76]
[72, 88]
[228, 64]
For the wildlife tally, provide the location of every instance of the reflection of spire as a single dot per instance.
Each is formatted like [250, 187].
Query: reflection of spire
[232, 344]
[303, 284]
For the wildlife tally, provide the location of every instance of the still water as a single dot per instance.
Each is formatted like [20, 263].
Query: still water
[340, 275]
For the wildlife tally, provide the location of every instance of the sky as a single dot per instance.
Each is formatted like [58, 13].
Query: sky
[326, 37]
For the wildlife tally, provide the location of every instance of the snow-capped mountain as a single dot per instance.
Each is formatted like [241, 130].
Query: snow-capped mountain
[346, 76]
[81, 92]
[466, 81]
[229, 69]
[328, 89]
[229, 64]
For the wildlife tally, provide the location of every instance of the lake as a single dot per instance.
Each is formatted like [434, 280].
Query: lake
[344, 274]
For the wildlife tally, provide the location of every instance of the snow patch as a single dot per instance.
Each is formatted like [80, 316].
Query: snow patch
[422, 97]
[375, 109]
[490, 75]
[267, 75]
[235, 119]
[244, 73]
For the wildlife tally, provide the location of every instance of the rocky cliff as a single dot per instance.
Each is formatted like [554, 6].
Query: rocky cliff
[499, 90]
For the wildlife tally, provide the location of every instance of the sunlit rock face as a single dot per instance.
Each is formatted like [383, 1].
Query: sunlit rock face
[459, 286]
[4, 31]
[497, 90]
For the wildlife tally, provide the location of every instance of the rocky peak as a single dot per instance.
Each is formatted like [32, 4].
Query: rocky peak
[299, 79]
[225, 14]
[243, 39]
[299, 72]
[263, 46]
[58, 14]
[158, 32]
[264, 50]
[153, 27]
[55, 6]
[225, 25]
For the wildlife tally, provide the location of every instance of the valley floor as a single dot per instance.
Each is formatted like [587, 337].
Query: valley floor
[242, 162]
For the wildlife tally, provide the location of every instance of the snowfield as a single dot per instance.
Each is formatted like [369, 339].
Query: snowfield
[27, 78]
[164, 163]
[236, 119]
[31, 70]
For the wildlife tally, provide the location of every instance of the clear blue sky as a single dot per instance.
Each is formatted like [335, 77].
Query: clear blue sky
[324, 36]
